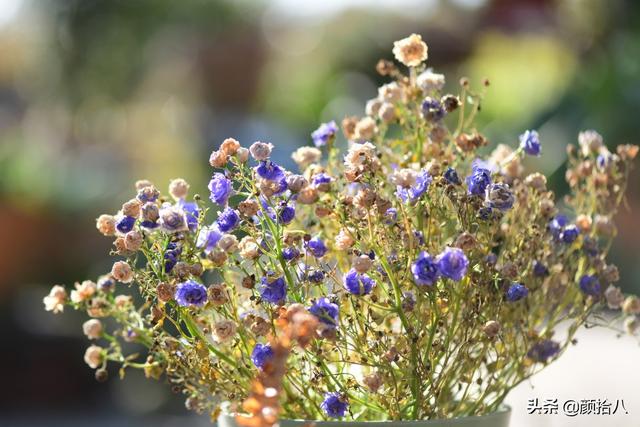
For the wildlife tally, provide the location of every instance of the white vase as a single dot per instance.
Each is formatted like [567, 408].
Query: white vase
[499, 418]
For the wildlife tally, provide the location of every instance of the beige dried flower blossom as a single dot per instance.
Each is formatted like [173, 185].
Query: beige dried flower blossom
[92, 328]
[55, 300]
[249, 248]
[93, 356]
[83, 291]
[365, 129]
[224, 330]
[411, 51]
[122, 272]
[178, 188]
[260, 150]
[106, 224]
[304, 156]
[344, 240]
[229, 146]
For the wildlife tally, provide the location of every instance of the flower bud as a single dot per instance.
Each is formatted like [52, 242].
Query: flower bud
[242, 154]
[491, 328]
[362, 263]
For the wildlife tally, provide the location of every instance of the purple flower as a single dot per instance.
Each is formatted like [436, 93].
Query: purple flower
[557, 224]
[274, 291]
[452, 263]
[317, 247]
[333, 405]
[530, 142]
[324, 133]
[484, 213]
[539, 269]
[270, 171]
[432, 109]
[543, 350]
[191, 293]
[452, 176]
[286, 214]
[125, 224]
[192, 213]
[499, 196]
[516, 292]
[491, 259]
[321, 178]
[261, 354]
[173, 219]
[358, 284]
[171, 256]
[208, 238]
[227, 220]
[290, 252]
[326, 311]
[425, 270]
[391, 216]
[590, 285]
[106, 284]
[417, 189]
[478, 181]
[569, 234]
[315, 276]
[220, 188]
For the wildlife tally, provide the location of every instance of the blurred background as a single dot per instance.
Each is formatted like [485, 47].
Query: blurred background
[95, 94]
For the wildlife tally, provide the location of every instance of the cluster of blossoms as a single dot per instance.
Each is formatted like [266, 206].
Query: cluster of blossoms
[436, 278]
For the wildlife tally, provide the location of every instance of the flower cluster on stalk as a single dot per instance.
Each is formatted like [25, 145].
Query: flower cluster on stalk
[429, 280]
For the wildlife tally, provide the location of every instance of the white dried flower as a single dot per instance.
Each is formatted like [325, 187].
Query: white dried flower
[249, 248]
[631, 305]
[228, 243]
[344, 240]
[537, 181]
[411, 51]
[178, 188]
[304, 156]
[261, 150]
[590, 141]
[365, 129]
[229, 146]
[429, 81]
[83, 291]
[106, 224]
[614, 297]
[390, 92]
[55, 300]
[372, 107]
[92, 328]
[223, 330]
[93, 356]
[387, 113]
[122, 272]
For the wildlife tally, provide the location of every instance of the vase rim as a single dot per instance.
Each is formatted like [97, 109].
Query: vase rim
[501, 411]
